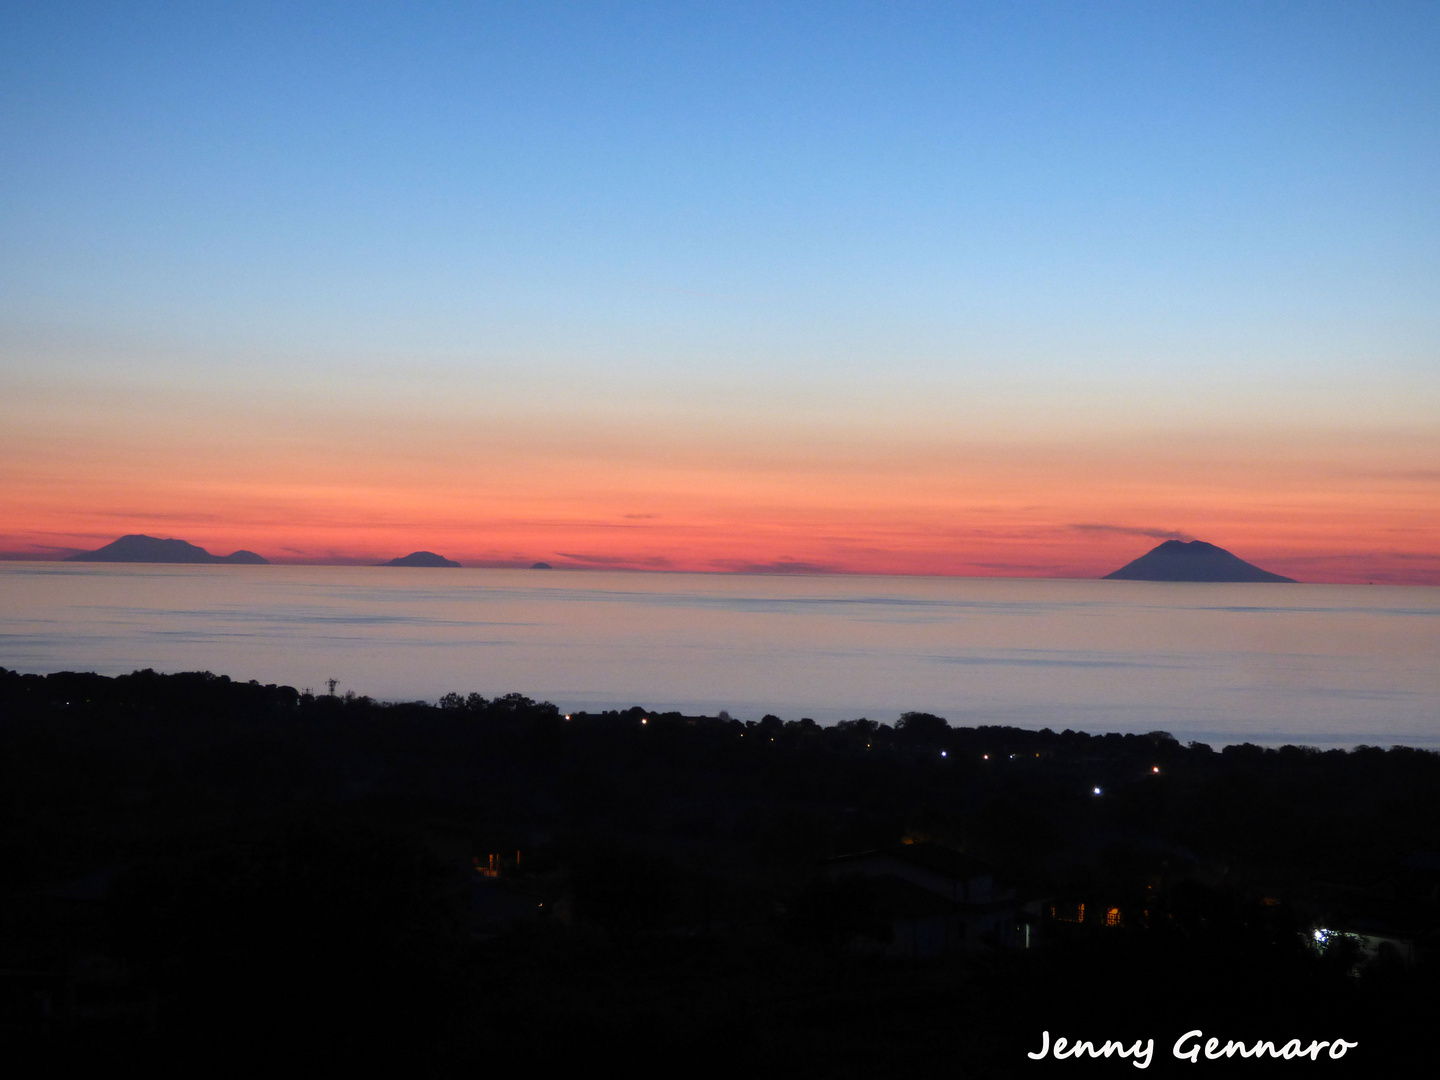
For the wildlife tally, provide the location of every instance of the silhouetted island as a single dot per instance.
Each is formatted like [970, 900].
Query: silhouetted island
[540, 566]
[1176, 560]
[151, 549]
[422, 558]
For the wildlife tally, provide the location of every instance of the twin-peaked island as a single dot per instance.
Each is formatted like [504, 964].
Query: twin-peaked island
[151, 549]
[1174, 560]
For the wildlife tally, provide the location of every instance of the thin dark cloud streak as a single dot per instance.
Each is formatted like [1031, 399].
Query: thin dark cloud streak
[652, 561]
[779, 566]
[1134, 530]
[143, 515]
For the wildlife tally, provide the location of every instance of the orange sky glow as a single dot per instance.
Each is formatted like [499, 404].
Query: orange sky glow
[690, 493]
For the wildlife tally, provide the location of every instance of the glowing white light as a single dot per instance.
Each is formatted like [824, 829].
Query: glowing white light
[1097, 791]
[942, 753]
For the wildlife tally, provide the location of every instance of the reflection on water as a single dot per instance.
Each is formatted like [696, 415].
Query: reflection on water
[1323, 664]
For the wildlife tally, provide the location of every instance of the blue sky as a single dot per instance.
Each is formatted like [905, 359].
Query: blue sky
[696, 177]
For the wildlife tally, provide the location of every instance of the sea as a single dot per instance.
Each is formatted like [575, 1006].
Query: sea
[1319, 665]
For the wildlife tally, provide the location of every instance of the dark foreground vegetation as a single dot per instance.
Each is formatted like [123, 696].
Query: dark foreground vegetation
[209, 877]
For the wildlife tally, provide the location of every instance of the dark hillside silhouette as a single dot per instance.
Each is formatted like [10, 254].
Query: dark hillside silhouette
[272, 881]
[139, 548]
[1176, 560]
[422, 558]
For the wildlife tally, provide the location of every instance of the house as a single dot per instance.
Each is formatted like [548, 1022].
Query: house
[938, 902]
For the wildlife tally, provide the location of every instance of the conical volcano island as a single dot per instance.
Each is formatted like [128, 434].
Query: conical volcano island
[421, 558]
[140, 548]
[1177, 560]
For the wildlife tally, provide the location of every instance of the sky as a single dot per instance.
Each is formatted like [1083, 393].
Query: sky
[921, 288]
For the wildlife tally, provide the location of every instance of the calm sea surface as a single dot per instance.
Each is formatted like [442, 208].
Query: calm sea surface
[1320, 664]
